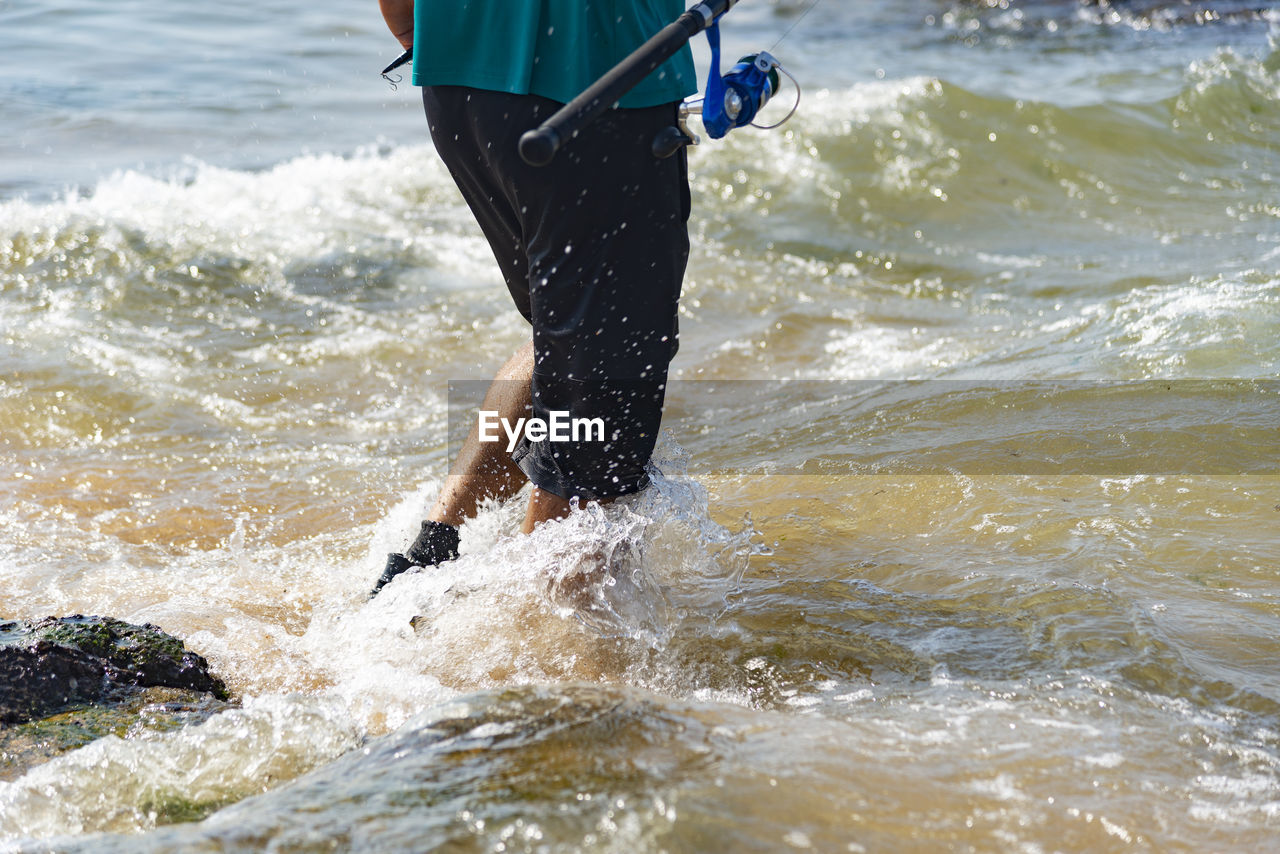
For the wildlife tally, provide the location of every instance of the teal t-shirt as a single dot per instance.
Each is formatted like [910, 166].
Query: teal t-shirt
[552, 48]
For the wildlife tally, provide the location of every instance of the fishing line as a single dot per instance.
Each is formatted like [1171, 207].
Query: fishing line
[794, 24]
[794, 82]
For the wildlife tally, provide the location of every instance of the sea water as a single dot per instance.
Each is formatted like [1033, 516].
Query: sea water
[964, 532]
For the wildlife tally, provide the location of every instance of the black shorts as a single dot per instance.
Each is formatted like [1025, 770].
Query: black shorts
[593, 248]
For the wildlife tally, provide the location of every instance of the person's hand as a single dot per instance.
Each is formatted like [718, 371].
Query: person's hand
[399, 17]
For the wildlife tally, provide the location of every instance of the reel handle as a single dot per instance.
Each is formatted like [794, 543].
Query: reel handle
[669, 141]
[672, 139]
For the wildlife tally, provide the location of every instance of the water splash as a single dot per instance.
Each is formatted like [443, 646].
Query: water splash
[584, 597]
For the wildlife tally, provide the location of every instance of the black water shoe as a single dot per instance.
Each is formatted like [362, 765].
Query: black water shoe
[436, 543]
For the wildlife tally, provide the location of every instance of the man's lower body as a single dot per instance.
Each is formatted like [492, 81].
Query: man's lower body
[593, 249]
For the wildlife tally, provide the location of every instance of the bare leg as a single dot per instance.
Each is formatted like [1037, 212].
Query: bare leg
[574, 588]
[484, 469]
[543, 507]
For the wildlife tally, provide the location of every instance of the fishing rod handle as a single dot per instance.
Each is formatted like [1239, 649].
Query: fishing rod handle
[539, 146]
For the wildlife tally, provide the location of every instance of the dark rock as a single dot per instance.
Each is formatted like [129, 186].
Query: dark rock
[57, 662]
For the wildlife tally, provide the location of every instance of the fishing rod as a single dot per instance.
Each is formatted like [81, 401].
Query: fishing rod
[731, 101]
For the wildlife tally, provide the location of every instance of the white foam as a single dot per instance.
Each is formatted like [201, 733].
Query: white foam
[116, 785]
[299, 209]
[1199, 329]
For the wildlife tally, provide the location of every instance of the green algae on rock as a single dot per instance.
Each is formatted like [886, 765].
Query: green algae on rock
[49, 665]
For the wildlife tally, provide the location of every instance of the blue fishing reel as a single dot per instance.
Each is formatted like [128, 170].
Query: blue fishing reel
[732, 100]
